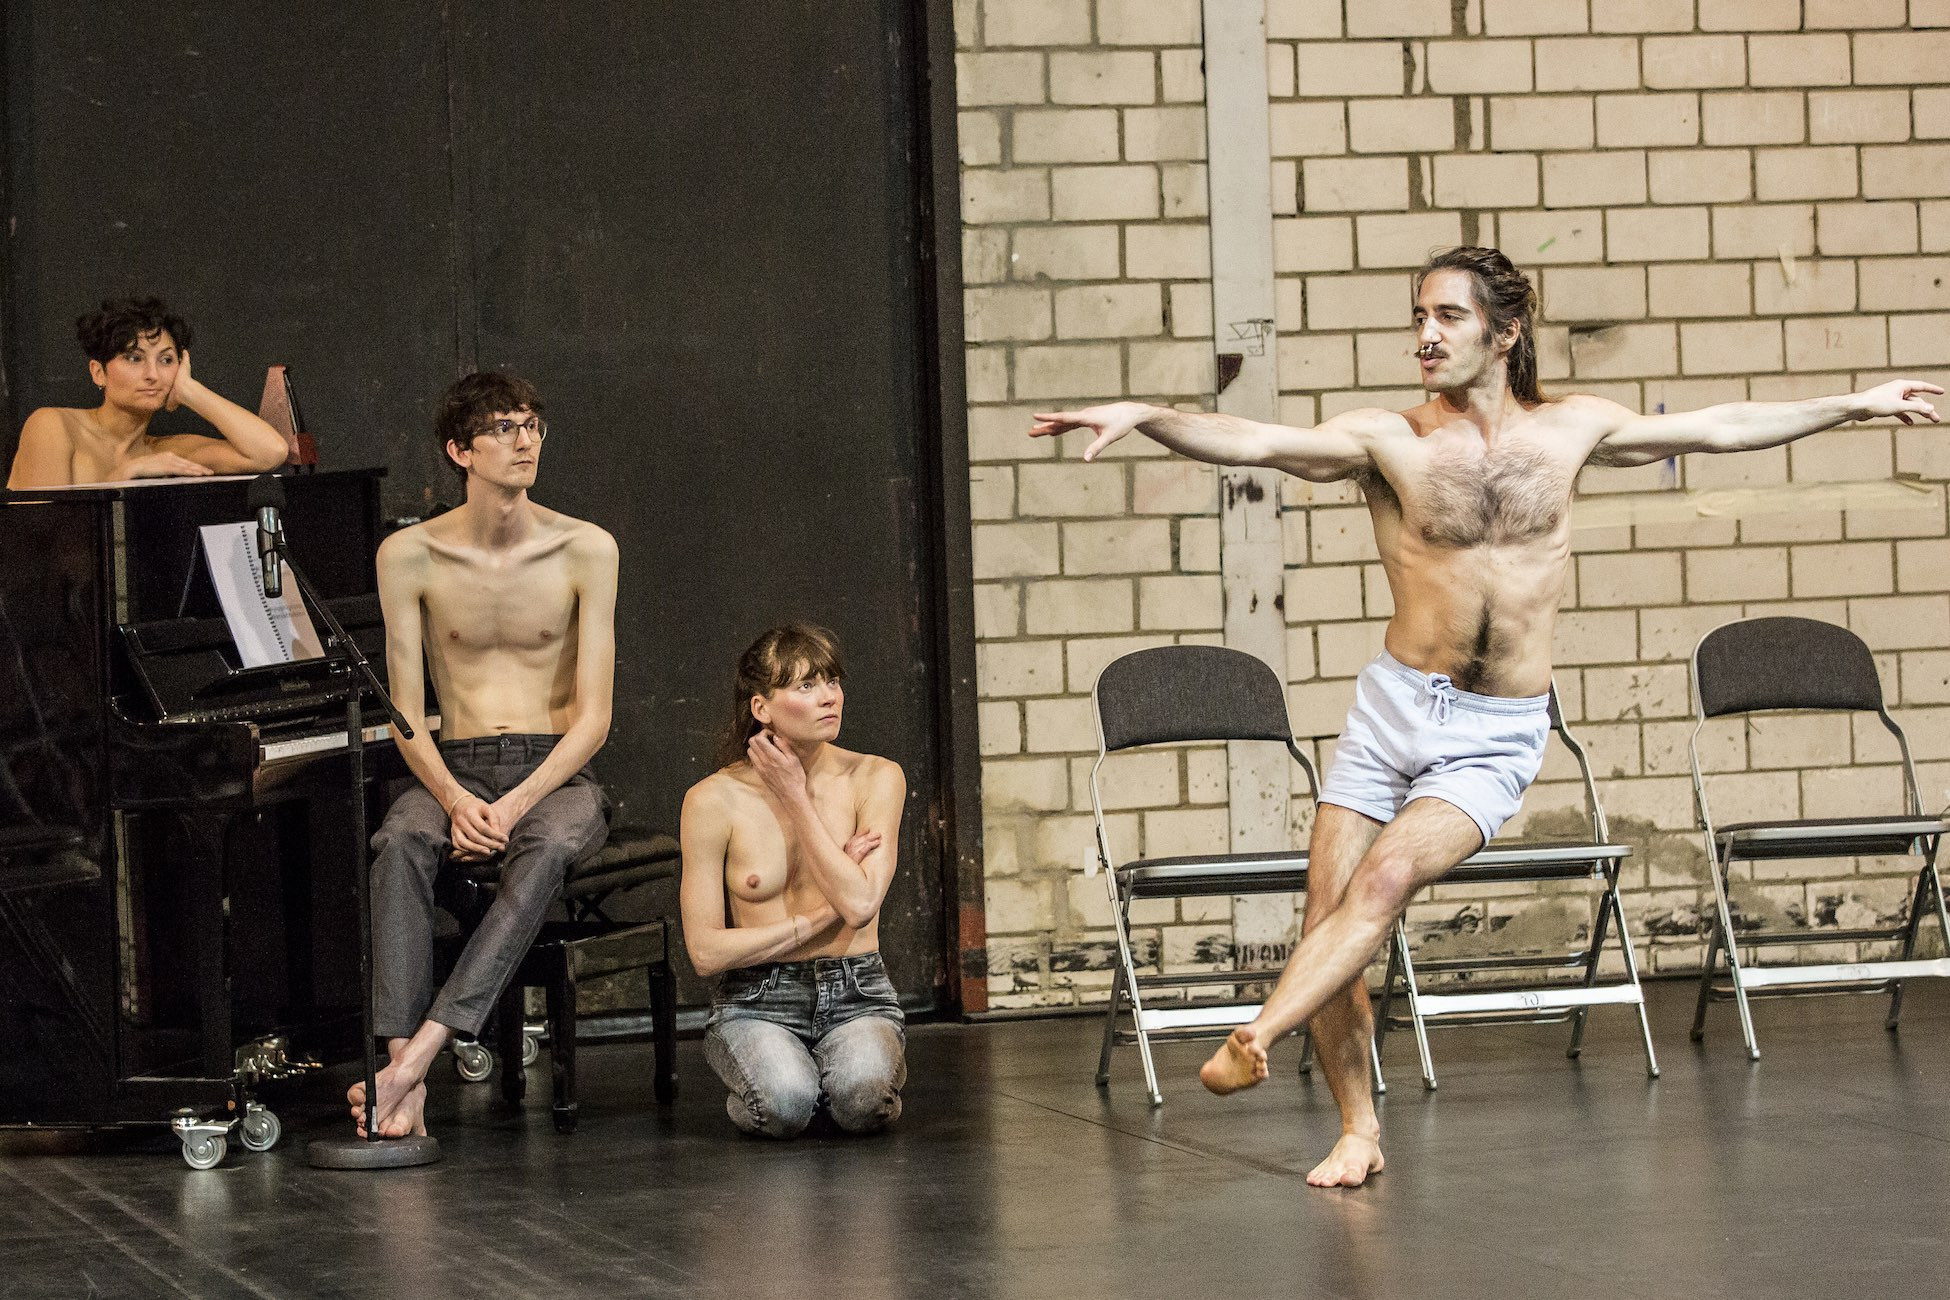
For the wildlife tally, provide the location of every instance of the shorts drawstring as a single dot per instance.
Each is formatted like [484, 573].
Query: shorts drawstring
[1442, 696]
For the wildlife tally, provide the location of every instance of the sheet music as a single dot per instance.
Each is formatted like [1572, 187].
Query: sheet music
[267, 630]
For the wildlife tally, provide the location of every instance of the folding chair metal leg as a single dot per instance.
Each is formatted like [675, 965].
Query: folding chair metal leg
[1387, 998]
[1380, 1085]
[1110, 1026]
[1632, 973]
[1733, 961]
[1911, 925]
[1942, 910]
[1706, 980]
[1306, 1051]
[1598, 926]
[1414, 1005]
[1118, 915]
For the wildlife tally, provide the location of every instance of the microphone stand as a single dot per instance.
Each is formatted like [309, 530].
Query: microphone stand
[372, 1151]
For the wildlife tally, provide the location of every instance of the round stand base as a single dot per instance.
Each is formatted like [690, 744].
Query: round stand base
[386, 1153]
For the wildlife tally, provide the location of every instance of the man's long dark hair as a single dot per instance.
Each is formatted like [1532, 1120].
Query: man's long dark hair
[1505, 294]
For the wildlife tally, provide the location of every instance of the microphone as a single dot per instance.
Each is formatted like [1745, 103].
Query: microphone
[266, 496]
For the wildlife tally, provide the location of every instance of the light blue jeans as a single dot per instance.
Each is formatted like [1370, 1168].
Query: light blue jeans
[791, 1038]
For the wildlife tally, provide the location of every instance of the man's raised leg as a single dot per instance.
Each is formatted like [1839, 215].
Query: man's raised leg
[1429, 837]
[1340, 836]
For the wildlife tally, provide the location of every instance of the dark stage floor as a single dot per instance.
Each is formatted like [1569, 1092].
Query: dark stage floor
[1823, 1171]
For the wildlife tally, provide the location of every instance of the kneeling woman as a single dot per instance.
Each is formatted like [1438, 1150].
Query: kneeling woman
[788, 851]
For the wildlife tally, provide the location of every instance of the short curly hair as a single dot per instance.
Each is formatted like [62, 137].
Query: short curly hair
[108, 333]
[466, 406]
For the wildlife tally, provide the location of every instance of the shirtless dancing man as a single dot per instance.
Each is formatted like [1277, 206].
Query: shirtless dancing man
[1470, 495]
[513, 606]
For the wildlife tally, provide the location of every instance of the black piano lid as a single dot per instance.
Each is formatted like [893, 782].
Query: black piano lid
[187, 666]
[129, 488]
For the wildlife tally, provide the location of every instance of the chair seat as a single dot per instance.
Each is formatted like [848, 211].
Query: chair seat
[1515, 861]
[1826, 837]
[592, 949]
[632, 856]
[1230, 873]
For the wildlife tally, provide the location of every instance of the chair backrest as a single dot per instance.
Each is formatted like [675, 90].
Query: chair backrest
[1176, 694]
[1783, 663]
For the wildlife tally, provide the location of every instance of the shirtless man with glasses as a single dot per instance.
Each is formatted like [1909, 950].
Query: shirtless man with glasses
[1470, 494]
[511, 608]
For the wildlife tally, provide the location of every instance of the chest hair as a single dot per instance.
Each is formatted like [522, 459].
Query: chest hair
[1510, 494]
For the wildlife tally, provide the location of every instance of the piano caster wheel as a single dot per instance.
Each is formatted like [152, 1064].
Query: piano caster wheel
[260, 1130]
[472, 1062]
[204, 1151]
[204, 1141]
[531, 1049]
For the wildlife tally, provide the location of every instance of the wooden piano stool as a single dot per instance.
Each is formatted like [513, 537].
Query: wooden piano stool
[588, 945]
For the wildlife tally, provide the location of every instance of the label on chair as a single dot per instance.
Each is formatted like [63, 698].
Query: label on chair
[1760, 977]
[1451, 1004]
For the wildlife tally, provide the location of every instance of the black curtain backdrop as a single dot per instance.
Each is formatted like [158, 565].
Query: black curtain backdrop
[701, 230]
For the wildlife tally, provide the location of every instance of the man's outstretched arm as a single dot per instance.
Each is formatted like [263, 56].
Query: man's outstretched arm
[1749, 426]
[1334, 450]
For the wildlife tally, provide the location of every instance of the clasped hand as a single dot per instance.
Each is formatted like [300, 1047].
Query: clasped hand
[478, 829]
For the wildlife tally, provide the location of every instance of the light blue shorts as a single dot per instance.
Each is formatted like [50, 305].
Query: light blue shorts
[1413, 735]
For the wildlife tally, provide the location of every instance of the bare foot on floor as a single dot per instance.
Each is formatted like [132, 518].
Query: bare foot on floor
[400, 1109]
[1239, 1063]
[1353, 1158]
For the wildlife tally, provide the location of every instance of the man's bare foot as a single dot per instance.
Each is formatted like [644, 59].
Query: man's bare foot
[1239, 1063]
[401, 1106]
[1353, 1158]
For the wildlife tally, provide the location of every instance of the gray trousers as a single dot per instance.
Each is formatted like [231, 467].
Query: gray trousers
[411, 848]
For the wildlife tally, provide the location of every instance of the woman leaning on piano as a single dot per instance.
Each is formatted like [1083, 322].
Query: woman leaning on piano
[138, 356]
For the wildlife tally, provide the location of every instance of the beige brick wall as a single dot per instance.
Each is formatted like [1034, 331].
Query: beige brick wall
[1722, 199]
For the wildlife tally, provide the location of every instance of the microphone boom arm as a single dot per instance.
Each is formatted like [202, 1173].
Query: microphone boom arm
[338, 638]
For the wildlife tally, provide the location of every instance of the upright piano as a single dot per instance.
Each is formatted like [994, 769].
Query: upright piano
[177, 917]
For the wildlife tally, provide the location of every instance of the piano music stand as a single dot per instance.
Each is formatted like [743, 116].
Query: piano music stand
[372, 1151]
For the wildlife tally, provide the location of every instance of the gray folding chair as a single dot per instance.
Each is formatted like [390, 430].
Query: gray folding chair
[1175, 695]
[1801, 664]
[1513, 1000]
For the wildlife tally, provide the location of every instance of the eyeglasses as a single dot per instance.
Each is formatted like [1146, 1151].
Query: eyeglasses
[506, 431]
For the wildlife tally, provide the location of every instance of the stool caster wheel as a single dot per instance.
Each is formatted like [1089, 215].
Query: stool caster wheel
[531, 1048]
[260, 1130]
[472, 1062]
